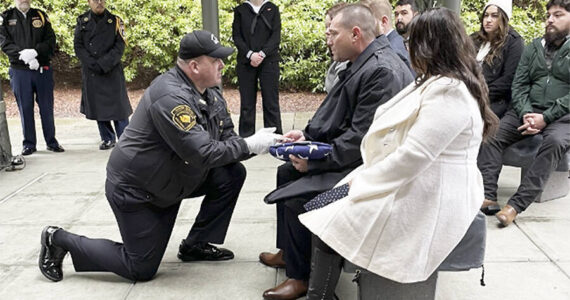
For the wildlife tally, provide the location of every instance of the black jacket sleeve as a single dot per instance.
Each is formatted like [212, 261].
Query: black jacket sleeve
[194, 145]
[78, 44]
[46, 46]
[271, 47]
[113, 57]
[377, 87]
[6, 40]
[237, 34]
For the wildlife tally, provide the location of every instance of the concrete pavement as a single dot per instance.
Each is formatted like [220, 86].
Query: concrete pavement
[527, 260]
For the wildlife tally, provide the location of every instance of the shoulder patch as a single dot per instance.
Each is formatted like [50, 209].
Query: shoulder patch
[183, 117]
[120, 29]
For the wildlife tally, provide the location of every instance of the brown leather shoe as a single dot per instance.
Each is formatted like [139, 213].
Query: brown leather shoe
[507, 215]
[272, 260]
[288, 289]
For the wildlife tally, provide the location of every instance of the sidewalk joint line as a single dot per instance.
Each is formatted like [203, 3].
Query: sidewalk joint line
[22, 188]
[542, 250]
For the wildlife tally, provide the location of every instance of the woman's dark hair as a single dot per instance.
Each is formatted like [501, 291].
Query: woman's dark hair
[440, 46]
[498, 41]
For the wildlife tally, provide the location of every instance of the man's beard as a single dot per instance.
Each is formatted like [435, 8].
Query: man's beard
[553, 37]
[401, 30]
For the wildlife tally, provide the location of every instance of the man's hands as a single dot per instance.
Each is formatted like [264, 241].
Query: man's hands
[300, 164]
[533, 123]
[256, 59]
[294, 136]
[34, 64]
[28, 55]
[259, 142]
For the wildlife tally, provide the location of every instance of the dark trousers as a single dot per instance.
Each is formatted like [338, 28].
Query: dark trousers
[29, 86]
[556, 140]
[292, 236]
[106, 129]
[146, 228]
[268, 75]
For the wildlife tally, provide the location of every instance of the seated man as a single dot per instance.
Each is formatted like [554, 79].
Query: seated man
[374, 75]
[541, 96]
[179, 144]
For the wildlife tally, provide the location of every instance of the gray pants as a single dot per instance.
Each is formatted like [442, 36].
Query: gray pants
[556, 140]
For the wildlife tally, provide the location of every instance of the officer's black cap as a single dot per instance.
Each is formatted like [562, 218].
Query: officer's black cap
[202, 42]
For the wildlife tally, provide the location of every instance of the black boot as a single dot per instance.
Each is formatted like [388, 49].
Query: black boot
[325, 272]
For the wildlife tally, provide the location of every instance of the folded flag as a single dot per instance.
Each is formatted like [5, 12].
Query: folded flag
[305, 150]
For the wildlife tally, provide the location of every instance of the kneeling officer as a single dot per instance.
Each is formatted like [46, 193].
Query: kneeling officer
[180, 144]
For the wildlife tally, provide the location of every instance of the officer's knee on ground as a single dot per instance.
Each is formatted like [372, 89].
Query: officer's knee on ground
[143, 271]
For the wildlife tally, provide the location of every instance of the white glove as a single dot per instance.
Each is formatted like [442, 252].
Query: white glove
[259, 142]
[34, 64]
[27, 55]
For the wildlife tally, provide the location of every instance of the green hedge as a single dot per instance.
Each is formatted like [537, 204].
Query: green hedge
[154, 28]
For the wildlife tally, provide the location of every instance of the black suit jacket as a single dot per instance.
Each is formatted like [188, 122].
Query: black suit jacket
[345, 116]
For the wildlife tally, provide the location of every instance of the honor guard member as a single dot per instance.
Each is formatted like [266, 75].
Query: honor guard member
[256, 31]
[180, 144]
[27, 38]
[99, 44]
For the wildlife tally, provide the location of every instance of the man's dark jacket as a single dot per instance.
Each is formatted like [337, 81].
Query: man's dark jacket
[345, 115]
[540, 89]
[174, 137]
[99, 45]
[32, 32]
[257, 32]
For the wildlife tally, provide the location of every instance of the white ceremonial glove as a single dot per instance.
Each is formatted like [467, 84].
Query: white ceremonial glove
[34, 64]
[27, 55]
[259, 142]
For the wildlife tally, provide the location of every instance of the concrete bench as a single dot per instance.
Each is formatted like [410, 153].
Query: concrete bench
[522, 153]
[468, 254]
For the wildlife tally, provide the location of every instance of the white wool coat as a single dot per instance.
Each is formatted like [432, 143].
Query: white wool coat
[419, 187]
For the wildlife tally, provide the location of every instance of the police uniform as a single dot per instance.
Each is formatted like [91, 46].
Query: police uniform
[99, 44]
[31, 31]
[179, 144]
[258, 32]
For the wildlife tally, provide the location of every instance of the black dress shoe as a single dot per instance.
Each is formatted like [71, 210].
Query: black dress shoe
[51, 256]
[106, 145]
[203, 251]
[28, 151]
[57, 148]
[490, 207]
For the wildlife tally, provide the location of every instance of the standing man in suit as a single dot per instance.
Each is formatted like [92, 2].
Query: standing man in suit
[27, 38]
[99, 44]
[256, 32]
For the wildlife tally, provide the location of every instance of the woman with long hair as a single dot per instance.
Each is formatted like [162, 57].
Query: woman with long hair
[401, 213]
[499, 49]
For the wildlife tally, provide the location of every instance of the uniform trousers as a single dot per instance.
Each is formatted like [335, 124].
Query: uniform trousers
[29, 86]
[106, 129]
[555, 143]
[292, 236]
[146, 228]
[268, 75]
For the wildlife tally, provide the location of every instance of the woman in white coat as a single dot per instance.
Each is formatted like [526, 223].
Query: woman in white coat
[419, 188]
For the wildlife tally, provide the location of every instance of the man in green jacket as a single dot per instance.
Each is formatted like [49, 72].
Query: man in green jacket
[540, 105]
